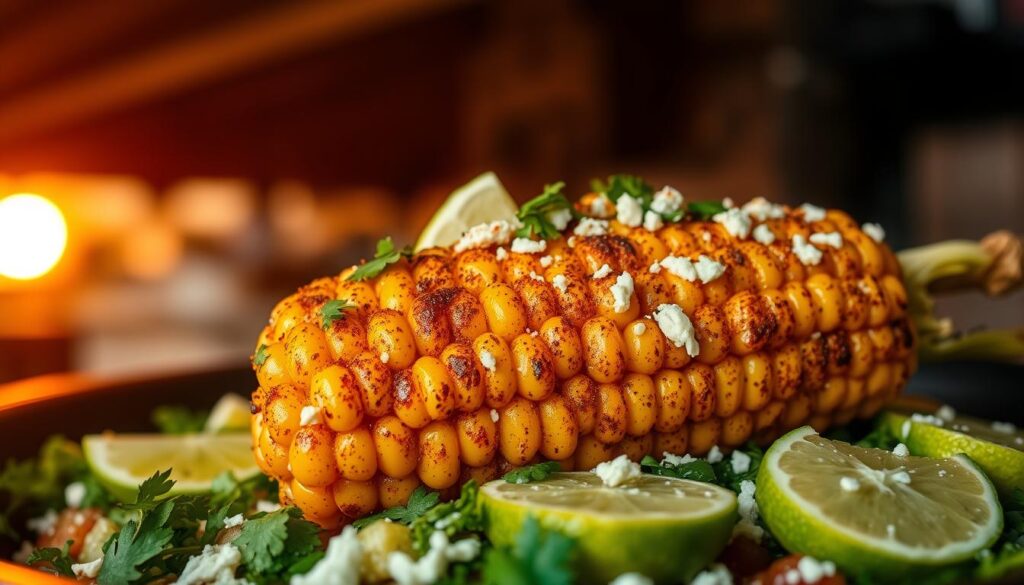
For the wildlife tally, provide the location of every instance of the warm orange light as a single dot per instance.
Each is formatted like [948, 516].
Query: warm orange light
[33, 236]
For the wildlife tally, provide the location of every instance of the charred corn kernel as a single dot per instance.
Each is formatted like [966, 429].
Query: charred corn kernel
[802, 307]
[673, 397]
[676, 443]
[767, 272]
[519, 433]
[827, 300]
[395, 491]
[782, 313]
[439, 464]
[651, 249]
[389, 334]
[355, 454]
[499, 376]
[728, 386]
[737, 428]
[430, 271]
[796, 412]
[429, 322]
[312, 456]
[704, 435]
[738, 268]
[481, 475]
[786, 371]
[395, 444]
[611, 414]
[812, 364]
[678, 240]
[346, 338]
[433, 384]
[871, 260]
[712, 334]
[466, 374]
[581, 393]
[564, 344]
[688, 295]
[559, 431]
[602, 350]
[307, 353]
[467, 317]
[652, 291]
[879, 380]
[605, 301]
[360, 294]
[336, 392]
[274, 455]
[878, 305]
[409, 405]
[478, 437]
[590, 451]
[282, 414]
[643, 346]
[757, 380]
[317, 503]
[831, 396]
[539, 300]
[637, 447]
[702, 384]
[574, 299]
[883, 341]
[395, 288]
[255, 427]
[374, 381]
[767, 416]
[535, 370]
[855, 313]
[274, 369]
[641, 401]
[475, 269]
[751, 322]
[289, 313]
[355, 498]
[717, 291]
[896, 295]
[517, 267]
[506, 316]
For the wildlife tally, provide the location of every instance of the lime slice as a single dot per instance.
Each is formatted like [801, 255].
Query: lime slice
[231, 413]
[871, 511]
[122, 462]
[645, 526]
[997, 448]
[481, 200]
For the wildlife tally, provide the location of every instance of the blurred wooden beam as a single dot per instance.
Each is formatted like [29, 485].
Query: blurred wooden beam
[270, 35]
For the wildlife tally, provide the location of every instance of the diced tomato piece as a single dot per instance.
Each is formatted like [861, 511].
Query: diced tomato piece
[785, 572]
[72, 524]
[744, 557]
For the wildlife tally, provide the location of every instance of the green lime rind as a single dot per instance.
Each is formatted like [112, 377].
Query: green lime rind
[667, 550]
[801, 527]
[1004, 465]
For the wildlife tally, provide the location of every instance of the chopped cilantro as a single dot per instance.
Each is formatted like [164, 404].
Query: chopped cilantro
[179, 420]
[618, 185]
[704, 209]
[536, 472]
[539, 557]
[419, 502]
[57, 559]
[697, 470]
[261, 355]
[136, 544]
[334, 310]
[385, 256]
[455, 517]
[728, 477]
[534, 213]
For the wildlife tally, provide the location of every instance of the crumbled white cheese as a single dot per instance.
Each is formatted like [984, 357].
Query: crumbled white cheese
[536, 276]
[812, 212]
[560, 282]
[487, 360]
[708, 269]
[806, 252]
[232, 521]
[747, 507]
[812, 570]
[901, 477]
[434, 564]
[629, 211]
[631, 579]
[617, 471]
[44, 524]
[927, 419]
[849, 484]
[339, 565]
[735, 221]
[761, 209]
[653, 221]
[728, 203]
[667, 201]
[763, 235]
[655, 268]
[681, 267]
[528, 246]
[560, 218]
[715, 575]
[715, 454]
[501, 254]
[385, 357]
[216, 564]
[740, 462]
[673, 459]
[1004, 427]
[267, 506]
[494, 415]
[622, 292]
[900, 450]
[591, 227]
[874, 231]
[599, 206]
[487, 234]
[905, 429]
[74, 493]
[677, 328]
[946, 413]
[603, 271]
[639, 328]
[834, 239]
[89, 570]
[309, 415]
[791, 577]
[545, 261]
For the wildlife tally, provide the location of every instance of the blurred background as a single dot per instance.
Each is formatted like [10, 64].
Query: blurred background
[190, 162]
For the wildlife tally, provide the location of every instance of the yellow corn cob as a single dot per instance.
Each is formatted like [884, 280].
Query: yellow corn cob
[453, 366]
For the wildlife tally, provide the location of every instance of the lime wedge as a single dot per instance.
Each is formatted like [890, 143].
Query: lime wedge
[665, 528]
[873, 512]
[122, 462]
[998, 448]
[231, 413]
[481, 200]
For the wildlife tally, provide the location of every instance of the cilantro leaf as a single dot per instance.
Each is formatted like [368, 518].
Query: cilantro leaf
[455, 517]
[136, 544]
[419, 502]
[728, 477]
[58, 558]
[697, 470]
[619, 185]
[178, 420]
[385, 256]
[272, 544]
[334, 310]
[534, 213]
[879, 438]
[261, 355]
[704, 210]
[539, 557]
[536, 472]
[152, 488]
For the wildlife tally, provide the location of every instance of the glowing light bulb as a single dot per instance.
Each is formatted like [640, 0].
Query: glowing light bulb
[33, 236]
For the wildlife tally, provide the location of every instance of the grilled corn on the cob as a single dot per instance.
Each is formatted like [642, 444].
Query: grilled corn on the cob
[460, 363]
